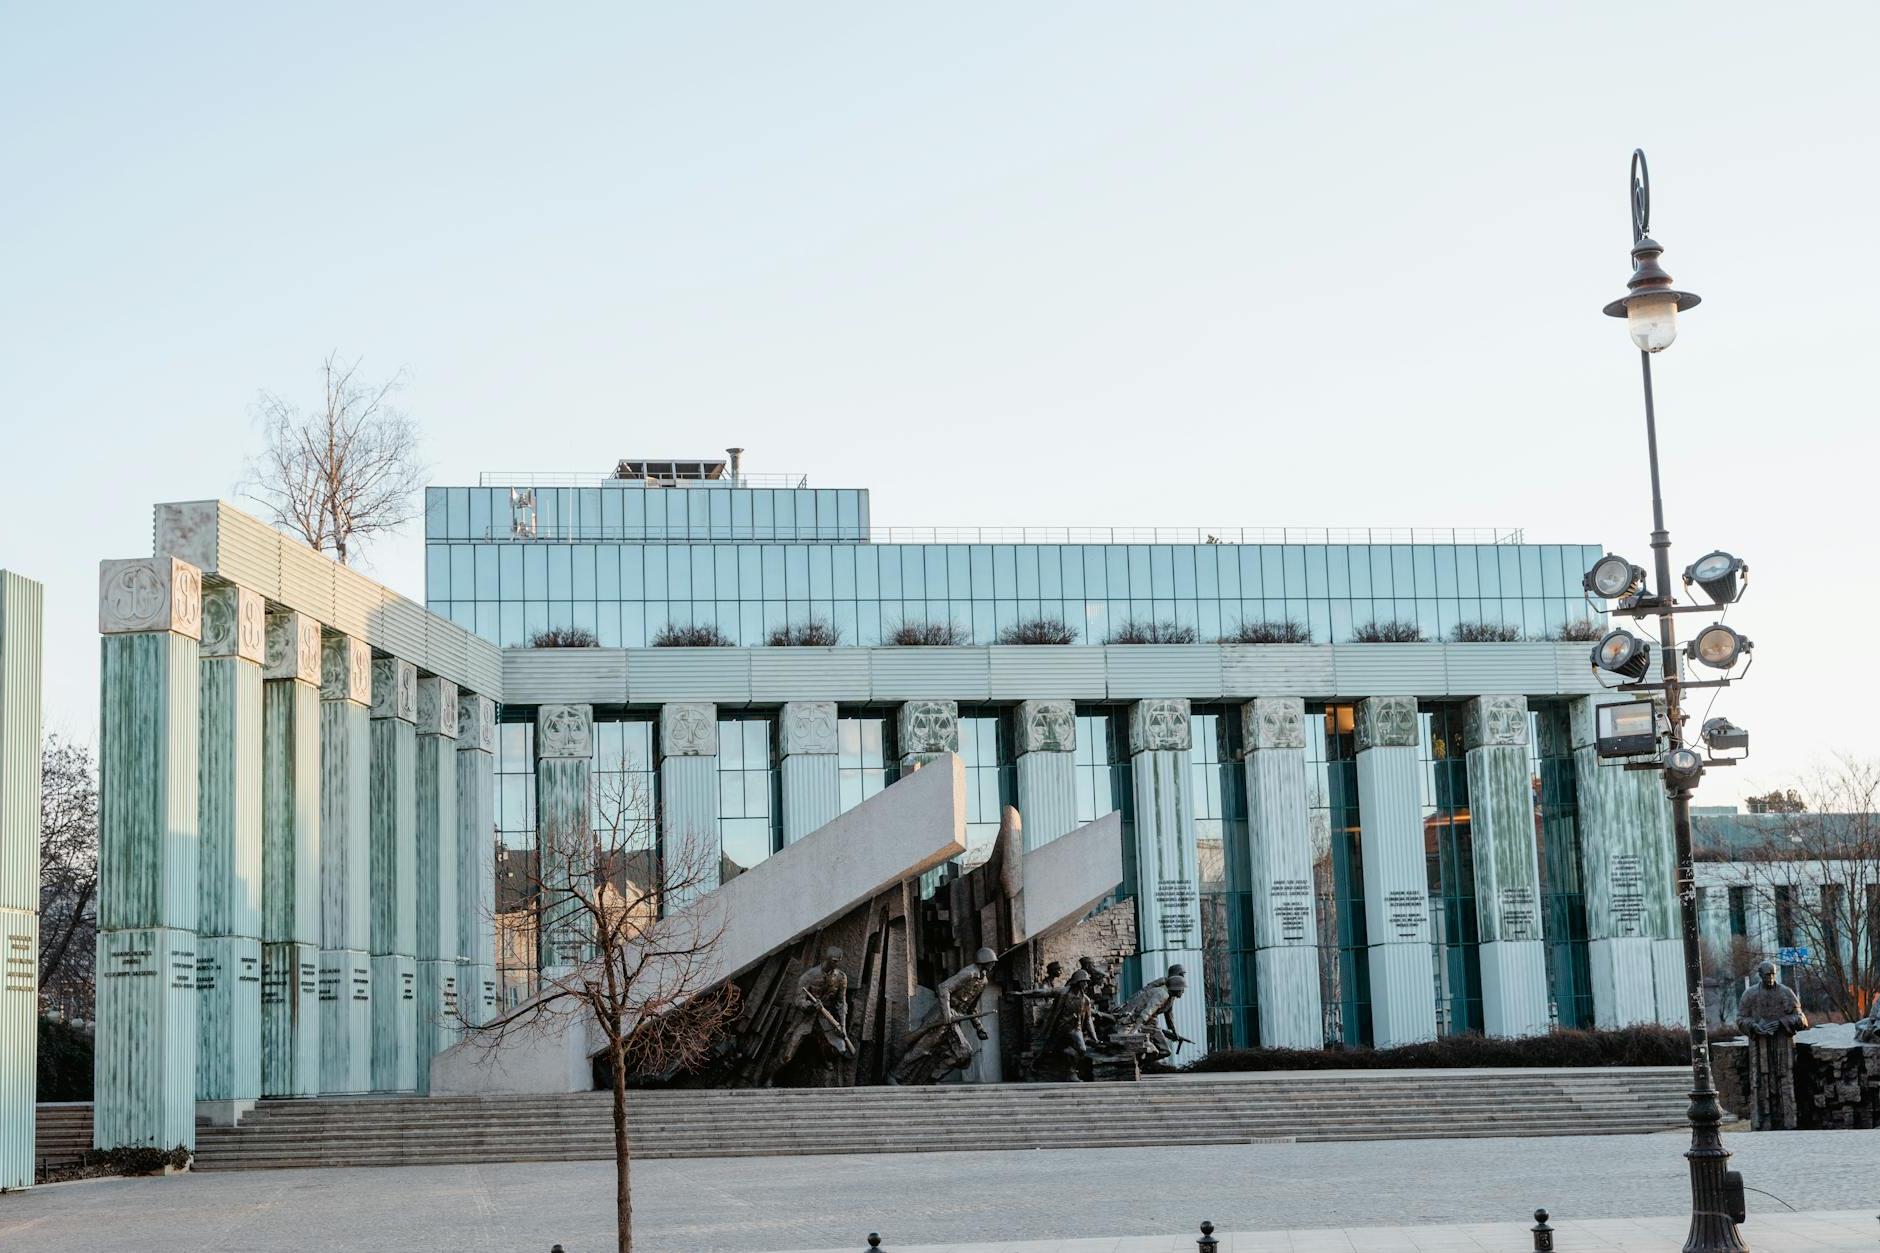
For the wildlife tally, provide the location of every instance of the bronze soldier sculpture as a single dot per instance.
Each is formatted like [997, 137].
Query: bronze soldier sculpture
[939, 1044]
[1770, 1015]
[1069, 1031]
[1156, 1000]
[821, 1011]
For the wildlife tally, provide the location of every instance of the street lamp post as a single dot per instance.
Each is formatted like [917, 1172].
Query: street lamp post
[1650, 308]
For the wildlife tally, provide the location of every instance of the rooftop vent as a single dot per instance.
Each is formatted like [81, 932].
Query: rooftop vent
[664, 471]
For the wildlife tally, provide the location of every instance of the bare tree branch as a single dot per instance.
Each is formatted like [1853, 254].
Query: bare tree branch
[68, 877]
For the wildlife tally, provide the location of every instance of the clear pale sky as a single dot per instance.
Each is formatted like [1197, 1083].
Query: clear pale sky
[1228, 264]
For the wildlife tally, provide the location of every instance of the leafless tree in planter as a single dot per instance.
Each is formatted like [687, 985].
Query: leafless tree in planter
[621, 951]
[68, 877]
[1818, 872]
[343, 472]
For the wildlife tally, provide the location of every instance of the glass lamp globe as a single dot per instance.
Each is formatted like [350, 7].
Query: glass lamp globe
[1652, 320]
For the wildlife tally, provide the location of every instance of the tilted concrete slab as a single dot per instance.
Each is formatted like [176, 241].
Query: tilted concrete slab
[1065, 879]
[906, 829]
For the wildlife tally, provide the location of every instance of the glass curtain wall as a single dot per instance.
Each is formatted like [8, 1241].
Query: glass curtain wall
[1338, 873]
[1449, 857]
[865, 758]
[991, 776]
[750, 799]
[1104, 785]
[1219, 789]
[515, 929]
[1563, 889]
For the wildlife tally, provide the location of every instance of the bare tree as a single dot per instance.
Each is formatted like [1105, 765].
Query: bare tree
[340, 473]
[68, 877]
[1818, 874]
[627, 950]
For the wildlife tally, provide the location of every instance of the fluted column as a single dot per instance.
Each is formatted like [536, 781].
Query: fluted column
[812, 775]
[438, 1026]
[688, 791]
[924, 729]
[1507, 869]
[149, 741]
[228, 950]
[1168, 909]
[1396, 880]
[1047, 770]
[22, 612]
[394, 887]
[1631, 906]
[476, 864]
[290, 858]
[564, 755]
[345, 865]
[1285, 924]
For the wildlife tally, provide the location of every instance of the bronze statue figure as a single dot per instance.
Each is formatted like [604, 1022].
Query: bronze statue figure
[821, 1012]
[939, 1045]
[1770, 1015]
[1155, 1001]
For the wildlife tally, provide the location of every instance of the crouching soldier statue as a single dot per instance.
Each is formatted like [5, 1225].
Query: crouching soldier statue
[939, 1044]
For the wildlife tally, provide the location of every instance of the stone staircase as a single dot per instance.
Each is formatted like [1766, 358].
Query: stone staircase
[1211, 1109]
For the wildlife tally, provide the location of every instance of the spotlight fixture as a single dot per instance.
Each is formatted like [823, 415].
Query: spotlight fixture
[1718, 647]
[1614, 578]
[1719, 574]
[1627, 728]
[1721, 735]
[1683, 766]
[1624, 654]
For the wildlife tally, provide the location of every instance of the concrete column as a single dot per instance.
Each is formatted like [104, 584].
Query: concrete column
[1631, 906]
[925, 729]
[22, 613]
[228, 951]
[1168, 909]
[1396, 880]
[1507, 869]
[290, 858]
[345, 865]
[1285, 924]
[1047, 770]
[393, 930]
[476, 857]
[438, 1026]
[149, 738]
[812, 775]
[688, 787]
[564, 755]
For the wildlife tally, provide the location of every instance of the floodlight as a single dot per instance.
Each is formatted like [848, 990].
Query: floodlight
[1683, 766]
[1722, 735]
[1628, 728]
[1719, 574]
[1717, 646]
[1613, 577]
[1624, 654]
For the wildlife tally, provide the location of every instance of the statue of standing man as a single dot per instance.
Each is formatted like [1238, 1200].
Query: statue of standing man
[1770, 1015]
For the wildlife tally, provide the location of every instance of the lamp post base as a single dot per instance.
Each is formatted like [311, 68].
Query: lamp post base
[1716, 1190]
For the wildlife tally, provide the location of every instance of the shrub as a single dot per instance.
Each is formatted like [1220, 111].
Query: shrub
[926, 634]
[1153, 633]
[812, 634]
[1268, 633]
[1582, 631]
[565, 637]
[1484, 633]
[65, 1061]
[1039, 631]
[1388, 633]
[708, 636]
[97, 1163]
[1630, 1046]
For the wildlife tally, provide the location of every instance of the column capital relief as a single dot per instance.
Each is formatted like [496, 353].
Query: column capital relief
[1047, 726]
[476, 723]
[437, 707]
[688, 729]
[808, 728]
[928, 726]
[394, 689]
[293, 650]
[145, 594]
[1387, 722]
[1273, 722]
[1159, 724]
[234, 623]
[564, 731]
[346, 669]
[1496, 722]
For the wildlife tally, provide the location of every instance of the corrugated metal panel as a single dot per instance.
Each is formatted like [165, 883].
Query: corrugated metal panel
[145, 1090]
[1396, 888]
[290, 799]
[19, 1043]
[149, 730]
[437, 1015]
[1152, 670]
[483, 668]
[1249, 670]
[688, 804]
[1513, 669]
[1388, 670]
[437, 848]
[394, 1024]
[345, 825]
[228, 1017]
[1047, 673]
[229, 798]
[655, 675]
[445, 649]
[22, 664]
[782, 674]
[476, 884]
[400, 631]
[959, 673]
[345, 1021]
[1047, 796]
[812, 793]
[538, 676]
[307, 581]
[290, 1020]
[356, 607]
[394, 850]
[1573, 667]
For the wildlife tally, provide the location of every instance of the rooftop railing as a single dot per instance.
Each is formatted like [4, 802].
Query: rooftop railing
[530, 478]
[576, 533]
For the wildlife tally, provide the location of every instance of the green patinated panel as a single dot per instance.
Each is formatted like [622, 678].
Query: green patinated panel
[563, 824]
[345, 1021]
[476, 990]
[1625, 826]
[148, 741]
[438, 1023]
[394, 848]
[345, 826]
[1507, 873]
[229, 787]
[228, 1016]
[290, 1020]
[19, 1037]
[394, 1024]
[290, 795]
[21, 666]
[437, 848]
[476, 877]
[144, 1076]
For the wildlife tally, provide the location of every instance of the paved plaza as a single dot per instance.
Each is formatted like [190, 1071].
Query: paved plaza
[952, 1200]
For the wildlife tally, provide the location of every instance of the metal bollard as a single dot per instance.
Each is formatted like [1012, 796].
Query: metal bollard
[1207, 1243]
[1543, 1234]
[874, 1239]
[557, 1249]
